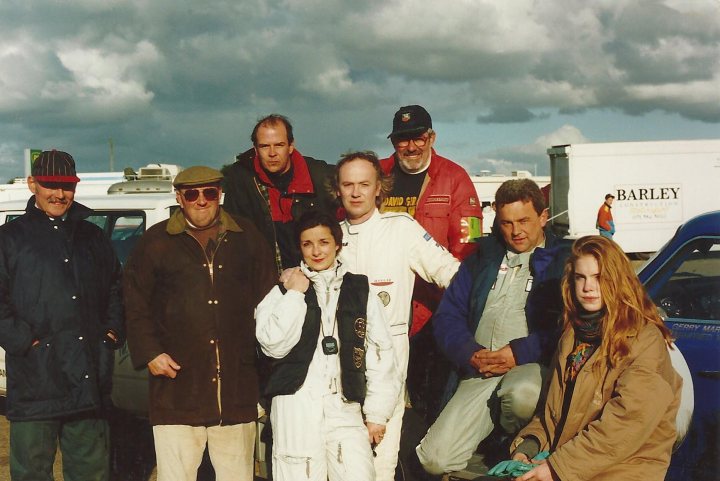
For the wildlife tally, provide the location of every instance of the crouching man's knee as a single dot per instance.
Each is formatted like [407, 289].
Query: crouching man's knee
[431, 460]
[519, 392]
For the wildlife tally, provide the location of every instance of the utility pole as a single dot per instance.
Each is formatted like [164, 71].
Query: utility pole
[112, 155]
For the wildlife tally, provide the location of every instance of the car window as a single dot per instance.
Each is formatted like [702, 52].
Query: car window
[688, 286]
[123, 228]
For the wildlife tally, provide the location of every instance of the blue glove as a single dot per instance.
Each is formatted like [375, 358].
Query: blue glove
[511, 468]
[542, 455]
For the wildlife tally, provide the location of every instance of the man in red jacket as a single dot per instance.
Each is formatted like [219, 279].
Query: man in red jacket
[439, 194]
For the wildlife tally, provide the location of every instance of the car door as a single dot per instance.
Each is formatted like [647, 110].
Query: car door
[687, 288]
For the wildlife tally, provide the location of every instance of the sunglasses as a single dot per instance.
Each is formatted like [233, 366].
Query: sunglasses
[210, 193]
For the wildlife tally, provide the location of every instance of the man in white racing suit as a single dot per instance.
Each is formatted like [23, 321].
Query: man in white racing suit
[389, 248]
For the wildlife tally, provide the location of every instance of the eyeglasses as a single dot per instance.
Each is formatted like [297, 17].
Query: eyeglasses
[420, 141]
[210, 193]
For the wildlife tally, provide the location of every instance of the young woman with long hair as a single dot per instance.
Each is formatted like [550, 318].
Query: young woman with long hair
[613, 393]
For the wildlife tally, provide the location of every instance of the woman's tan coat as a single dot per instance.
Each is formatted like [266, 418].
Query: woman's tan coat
[621, 421]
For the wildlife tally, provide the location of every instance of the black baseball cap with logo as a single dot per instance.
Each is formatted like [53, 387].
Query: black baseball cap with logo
[55, 166]
[410, 120]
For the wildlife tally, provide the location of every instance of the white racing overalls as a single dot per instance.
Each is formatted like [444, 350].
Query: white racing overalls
[317, 433]
[390, 248]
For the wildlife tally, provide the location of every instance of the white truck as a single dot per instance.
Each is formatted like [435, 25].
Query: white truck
[657, 186]
[486, 184]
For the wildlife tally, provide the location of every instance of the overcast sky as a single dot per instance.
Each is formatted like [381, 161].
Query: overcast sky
[183, 82]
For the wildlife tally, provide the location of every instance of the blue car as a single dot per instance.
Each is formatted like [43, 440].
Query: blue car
[683, 279]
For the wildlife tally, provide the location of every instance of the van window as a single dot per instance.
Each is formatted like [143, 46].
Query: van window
[691, 279]
[123, 227]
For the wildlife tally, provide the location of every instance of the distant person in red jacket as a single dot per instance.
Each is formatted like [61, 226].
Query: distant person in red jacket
[439, 194]
[605, 223]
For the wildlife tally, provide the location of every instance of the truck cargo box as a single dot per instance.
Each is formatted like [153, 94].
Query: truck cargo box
[657, 186]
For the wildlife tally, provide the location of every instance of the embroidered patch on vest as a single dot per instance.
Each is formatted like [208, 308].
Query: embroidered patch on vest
[360, 327]
[358, 356]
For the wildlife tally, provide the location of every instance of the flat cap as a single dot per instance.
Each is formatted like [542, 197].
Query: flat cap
[197, 175]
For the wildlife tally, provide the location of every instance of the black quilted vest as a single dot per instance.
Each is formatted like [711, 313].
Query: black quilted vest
[288, 374]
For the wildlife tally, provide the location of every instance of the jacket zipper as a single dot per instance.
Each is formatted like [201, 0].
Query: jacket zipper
[211, 271]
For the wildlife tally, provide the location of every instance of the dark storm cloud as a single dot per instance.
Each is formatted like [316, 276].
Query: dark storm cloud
[509, 115]
[183, 82]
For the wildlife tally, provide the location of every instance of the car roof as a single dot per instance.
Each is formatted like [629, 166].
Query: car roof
[108, 202]
[703, 225]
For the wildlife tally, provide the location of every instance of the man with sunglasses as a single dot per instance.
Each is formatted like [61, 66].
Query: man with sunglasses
[272, 184]
[61, 316]
[191, 285]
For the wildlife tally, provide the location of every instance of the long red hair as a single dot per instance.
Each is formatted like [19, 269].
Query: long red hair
[628, 308]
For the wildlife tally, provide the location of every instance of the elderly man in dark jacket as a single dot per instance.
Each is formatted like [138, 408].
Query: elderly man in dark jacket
[192, 284]
[60, 318]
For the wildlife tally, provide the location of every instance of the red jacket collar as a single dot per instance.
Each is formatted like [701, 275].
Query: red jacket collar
[301, 182]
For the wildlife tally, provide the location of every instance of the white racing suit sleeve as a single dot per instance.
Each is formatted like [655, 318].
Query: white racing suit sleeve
[382, 377]
[279, 319]
[428, 258]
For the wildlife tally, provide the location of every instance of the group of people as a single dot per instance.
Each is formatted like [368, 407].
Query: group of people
[356, 281]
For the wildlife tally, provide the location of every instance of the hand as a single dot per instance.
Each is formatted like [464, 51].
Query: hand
[376, 432]
[164, 365]
[493, 363]
[522, 457]
[297, 281]
[541, 473]
[285, 274]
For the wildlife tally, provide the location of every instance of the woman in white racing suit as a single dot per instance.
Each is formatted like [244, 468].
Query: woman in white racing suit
[333, 383]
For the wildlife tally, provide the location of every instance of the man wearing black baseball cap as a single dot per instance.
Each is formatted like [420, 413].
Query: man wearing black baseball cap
[436, 191]
[61, 316]
[439, 194]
